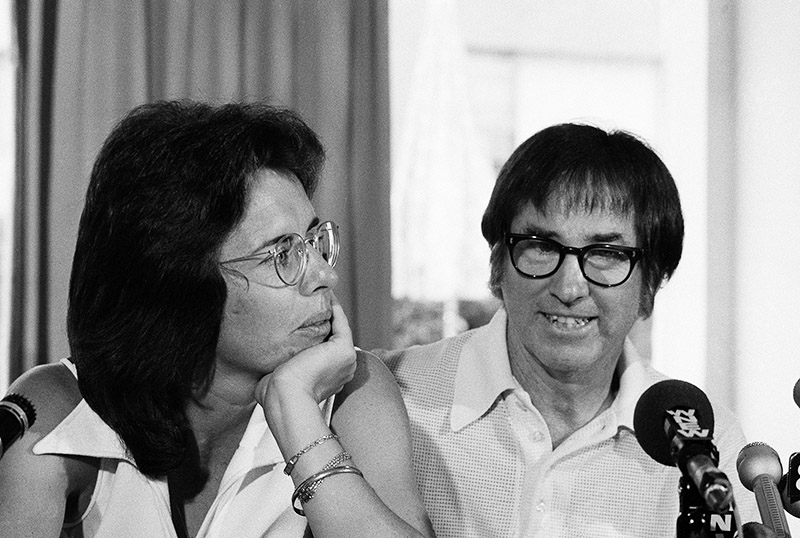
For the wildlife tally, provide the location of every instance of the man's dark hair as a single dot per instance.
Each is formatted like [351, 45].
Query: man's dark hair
[582, 167]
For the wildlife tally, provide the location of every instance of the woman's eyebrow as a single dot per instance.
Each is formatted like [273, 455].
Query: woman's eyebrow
[266, 245]
[270, 242]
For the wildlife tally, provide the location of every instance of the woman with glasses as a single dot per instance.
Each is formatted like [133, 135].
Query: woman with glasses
[524, 427]
[213, 389]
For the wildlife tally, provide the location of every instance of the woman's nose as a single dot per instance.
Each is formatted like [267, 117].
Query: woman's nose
[319, 273]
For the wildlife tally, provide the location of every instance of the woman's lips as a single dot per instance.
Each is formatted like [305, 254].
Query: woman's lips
[318, 324]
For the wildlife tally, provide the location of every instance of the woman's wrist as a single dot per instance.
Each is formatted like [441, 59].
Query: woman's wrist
[297, 422]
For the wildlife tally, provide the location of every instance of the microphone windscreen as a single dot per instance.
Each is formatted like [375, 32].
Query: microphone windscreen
[756, 459]
[796, 393]
[651, 409]
[16, 416]
[24, 405]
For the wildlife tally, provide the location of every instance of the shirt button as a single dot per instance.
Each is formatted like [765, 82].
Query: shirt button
[537, 436]
[540, 506]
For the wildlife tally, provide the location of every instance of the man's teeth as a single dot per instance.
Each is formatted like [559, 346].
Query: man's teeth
[572, 322]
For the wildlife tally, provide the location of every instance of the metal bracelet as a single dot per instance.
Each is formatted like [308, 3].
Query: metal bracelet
[301, 491]
[293, 460]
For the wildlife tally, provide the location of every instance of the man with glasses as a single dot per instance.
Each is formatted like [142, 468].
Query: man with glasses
[524, 427]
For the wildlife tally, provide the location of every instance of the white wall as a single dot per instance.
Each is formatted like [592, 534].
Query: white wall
[767, 232]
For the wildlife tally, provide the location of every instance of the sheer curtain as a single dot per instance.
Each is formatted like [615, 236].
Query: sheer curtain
[84, 63]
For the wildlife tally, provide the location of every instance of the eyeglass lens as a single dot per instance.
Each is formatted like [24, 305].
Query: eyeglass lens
[291, 255]
[604, 266]
[325, 240]
[289, 258]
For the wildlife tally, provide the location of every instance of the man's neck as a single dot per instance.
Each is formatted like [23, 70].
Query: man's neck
[566, 402]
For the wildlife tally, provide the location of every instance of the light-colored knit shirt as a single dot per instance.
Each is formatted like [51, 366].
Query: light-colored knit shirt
[485, 463]
[253, 500]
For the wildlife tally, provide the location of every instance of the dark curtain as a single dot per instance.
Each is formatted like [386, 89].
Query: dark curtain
[84, 63]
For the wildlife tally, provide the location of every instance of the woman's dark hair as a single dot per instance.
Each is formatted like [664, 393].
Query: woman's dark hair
[584, 167]
[146, 294]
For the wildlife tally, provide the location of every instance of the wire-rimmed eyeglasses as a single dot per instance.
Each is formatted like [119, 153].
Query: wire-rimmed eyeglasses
[602, 264]
[289, 256]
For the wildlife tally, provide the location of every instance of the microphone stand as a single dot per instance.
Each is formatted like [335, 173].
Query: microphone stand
[695, 520]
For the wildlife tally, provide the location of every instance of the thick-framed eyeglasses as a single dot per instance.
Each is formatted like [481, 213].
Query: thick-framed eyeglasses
[289, 256]
[601, 264]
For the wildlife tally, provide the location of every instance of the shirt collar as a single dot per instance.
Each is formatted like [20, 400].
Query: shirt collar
[83, 433]
[484, 373]
[633, 381]
[257, 448]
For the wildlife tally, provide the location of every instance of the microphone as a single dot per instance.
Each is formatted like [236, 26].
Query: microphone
[759, 468]
[796, 393]
[674, 424]
[17, 414]
[789, 485]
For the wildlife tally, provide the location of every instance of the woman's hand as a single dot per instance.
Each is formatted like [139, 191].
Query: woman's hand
[345, 505]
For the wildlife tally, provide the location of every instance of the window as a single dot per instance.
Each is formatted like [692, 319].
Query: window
[471, 80]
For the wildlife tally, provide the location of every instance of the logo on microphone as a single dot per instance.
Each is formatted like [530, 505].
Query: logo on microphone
[722, 523]
[687, 423]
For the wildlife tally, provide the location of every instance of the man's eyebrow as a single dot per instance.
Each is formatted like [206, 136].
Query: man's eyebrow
[610, 237]
[530, 229]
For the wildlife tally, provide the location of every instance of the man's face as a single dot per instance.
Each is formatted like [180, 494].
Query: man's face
[566, 325]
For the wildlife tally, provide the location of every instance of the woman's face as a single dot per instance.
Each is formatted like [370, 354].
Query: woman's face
[265, 324]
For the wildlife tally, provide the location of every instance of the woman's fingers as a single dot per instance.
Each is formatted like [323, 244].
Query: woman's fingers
[340, 326]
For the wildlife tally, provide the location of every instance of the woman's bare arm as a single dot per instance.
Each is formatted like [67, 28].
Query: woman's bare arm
[34, 489]
[372, 422]
[346, 505]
